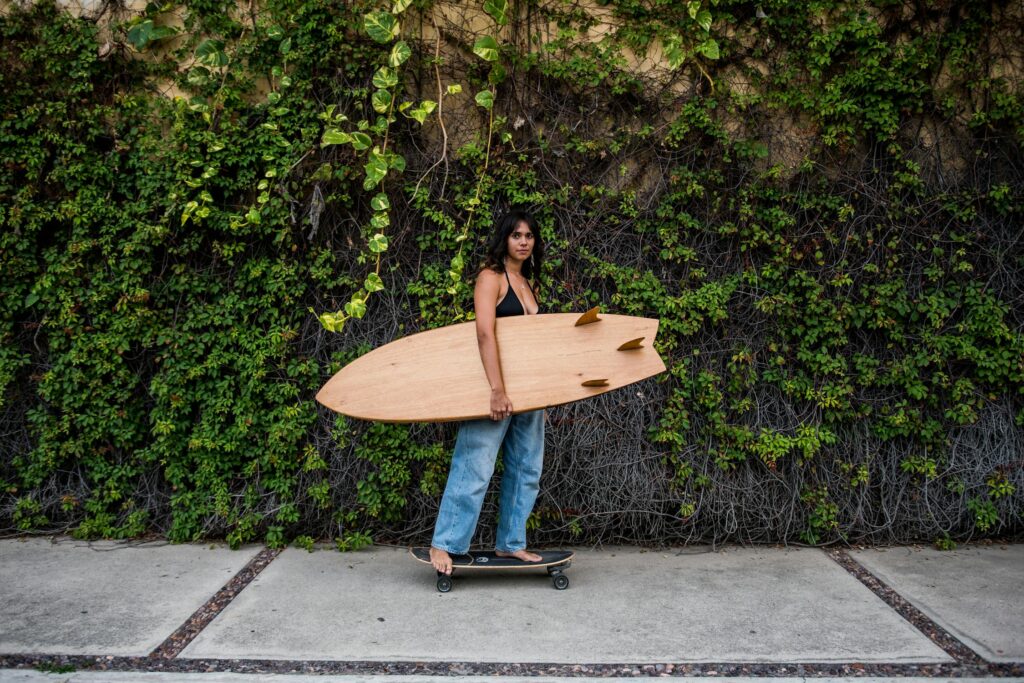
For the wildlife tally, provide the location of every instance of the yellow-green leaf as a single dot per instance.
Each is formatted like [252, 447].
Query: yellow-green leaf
[385, 78]
[486, 48]
[378, 243]
[498, 9]
[356, 308]
[361, 141]
[333, 136]
[381, 26]
[399, 53]
[485, 98]
[381, 101]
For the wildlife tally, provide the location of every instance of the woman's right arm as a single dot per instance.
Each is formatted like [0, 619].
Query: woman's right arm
[485, 300]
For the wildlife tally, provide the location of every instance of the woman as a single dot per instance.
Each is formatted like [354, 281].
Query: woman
[502, 289]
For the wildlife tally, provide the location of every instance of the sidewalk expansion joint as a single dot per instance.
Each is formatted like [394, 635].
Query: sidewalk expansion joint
[270, 667]
[201, 618]
[952, 645]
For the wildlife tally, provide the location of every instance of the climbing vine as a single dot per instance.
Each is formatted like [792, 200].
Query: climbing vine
[209, 208]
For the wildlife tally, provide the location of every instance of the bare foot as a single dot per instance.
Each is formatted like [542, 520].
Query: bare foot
[441, 560]
[523, 555]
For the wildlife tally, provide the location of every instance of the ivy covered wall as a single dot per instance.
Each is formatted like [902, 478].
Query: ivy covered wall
[208, 208]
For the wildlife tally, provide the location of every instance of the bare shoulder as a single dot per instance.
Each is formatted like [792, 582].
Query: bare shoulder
[488, 278]
[486, 274]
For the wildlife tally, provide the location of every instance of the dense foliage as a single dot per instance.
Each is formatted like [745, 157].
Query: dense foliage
[207, 210]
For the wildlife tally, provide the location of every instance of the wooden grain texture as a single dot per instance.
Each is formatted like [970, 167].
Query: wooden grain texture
[437, 376]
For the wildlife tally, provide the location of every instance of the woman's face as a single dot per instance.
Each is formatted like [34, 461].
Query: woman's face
[520, 242]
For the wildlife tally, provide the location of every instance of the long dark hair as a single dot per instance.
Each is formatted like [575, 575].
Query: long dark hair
[497, 248]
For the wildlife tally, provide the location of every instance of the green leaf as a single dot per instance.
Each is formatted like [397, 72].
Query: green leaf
[380, 202]
[454, 89]
[674, 52]
[286, 45]
[485, 98]
[399, 53]
[703, 19]
[376, 168]
[400, 6]
[211, 53]
[396, 161]
[333, 136]
[361, 141]
[373, 283]
[380, 220]
[693, 7]
[421, 112]
[138, 35]
[378, 243]
[709, 48]
[498, 9]
[31, 299]
[381, 101]
[486, 48]
[356, 308]
[144, 33]
[381, 26]
[332, 322]
[385, 78]
[497, 74]
[275, 32]
[198, 76]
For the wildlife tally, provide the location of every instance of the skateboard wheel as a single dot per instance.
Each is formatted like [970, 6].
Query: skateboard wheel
[561, 581]
[444, 583]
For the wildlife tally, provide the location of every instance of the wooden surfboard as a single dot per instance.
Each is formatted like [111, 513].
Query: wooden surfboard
[546, 360]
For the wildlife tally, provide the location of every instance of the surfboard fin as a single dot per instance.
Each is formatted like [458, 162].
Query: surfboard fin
[596, 383]
[632, 344]
[589, 317]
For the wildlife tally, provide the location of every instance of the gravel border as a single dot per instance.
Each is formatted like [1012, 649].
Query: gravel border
[201, 618]
[952, 645]
[363, 668]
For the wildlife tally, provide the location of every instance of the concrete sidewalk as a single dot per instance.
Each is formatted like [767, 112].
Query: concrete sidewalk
[152, 611]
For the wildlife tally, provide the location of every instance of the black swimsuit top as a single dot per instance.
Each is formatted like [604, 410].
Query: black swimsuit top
[511, 305]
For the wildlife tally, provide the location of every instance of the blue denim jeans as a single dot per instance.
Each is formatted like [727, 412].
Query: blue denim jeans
[476, 450]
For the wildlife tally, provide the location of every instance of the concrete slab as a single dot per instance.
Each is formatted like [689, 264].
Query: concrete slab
[624, 605]
[976, 592]
[73, 597]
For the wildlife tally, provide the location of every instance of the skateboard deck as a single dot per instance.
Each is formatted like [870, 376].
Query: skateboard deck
[546, 360]
[555, 561]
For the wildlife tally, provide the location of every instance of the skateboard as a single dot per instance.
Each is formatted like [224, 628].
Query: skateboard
[555, 561]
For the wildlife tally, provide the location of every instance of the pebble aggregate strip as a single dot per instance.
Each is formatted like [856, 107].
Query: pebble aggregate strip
[853, 670]
[202, 617]
[954, 647]
[353, 668]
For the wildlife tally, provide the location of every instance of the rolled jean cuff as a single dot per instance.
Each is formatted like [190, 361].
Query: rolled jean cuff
[449, 550]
